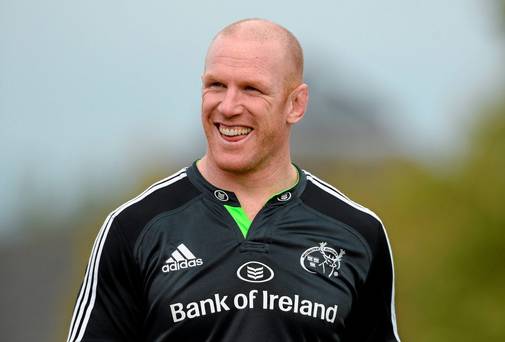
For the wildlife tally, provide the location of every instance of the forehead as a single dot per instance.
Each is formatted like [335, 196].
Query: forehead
[264, 58]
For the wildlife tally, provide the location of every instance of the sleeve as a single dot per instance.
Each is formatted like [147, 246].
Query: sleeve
[108, 304]
[373, 317]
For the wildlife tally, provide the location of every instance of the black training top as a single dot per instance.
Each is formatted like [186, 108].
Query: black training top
[172, 265]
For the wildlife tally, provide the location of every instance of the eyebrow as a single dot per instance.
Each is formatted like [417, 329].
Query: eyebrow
[206, 77]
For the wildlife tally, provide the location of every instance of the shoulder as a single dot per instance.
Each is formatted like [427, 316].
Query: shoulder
[329, 201]
[167, 194]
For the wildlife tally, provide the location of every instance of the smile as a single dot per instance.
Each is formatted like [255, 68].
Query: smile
[233, 131]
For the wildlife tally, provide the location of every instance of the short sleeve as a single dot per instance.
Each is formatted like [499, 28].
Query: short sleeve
[108, 305]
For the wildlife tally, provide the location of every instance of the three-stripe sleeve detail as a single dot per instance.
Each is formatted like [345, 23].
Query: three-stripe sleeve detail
[87, 294]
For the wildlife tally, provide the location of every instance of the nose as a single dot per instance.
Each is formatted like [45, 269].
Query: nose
[230, 104]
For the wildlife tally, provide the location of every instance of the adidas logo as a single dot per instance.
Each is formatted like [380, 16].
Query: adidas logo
[181, 258]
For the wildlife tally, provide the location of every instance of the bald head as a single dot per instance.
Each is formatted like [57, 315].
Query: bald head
[261, 30]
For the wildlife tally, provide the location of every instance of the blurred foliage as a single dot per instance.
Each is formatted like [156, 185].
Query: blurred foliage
[447, 236]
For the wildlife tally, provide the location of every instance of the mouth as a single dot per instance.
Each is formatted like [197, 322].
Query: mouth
[233, 133]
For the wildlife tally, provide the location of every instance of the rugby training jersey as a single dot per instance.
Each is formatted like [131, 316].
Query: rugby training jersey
[181, 262]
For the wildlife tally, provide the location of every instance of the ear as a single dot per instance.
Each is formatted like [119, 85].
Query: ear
[298, 100]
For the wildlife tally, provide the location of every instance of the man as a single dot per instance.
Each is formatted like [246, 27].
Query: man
[242, 245]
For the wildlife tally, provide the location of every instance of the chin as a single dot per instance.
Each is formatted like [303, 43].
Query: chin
[235, 164]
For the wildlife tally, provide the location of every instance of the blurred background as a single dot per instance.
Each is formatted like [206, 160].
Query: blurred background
[98, 99]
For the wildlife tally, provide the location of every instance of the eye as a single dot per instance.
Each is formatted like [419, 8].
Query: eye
[252, 89]
[211, 84]
[216, 85]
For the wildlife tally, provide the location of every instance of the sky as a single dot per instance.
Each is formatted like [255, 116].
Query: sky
[89, 89]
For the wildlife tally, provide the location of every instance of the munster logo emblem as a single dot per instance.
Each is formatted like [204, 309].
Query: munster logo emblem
[322, 259]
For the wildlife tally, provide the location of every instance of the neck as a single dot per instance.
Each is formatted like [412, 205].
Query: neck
[259, 184]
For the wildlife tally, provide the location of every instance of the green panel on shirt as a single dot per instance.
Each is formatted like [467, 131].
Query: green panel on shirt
[240, 218]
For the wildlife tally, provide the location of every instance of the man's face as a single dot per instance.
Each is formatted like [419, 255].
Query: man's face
[244, 104]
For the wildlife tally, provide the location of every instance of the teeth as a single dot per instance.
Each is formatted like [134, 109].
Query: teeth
[234, 131]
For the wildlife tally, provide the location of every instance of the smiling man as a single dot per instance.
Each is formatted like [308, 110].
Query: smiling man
[242, 245]
[253, 92]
